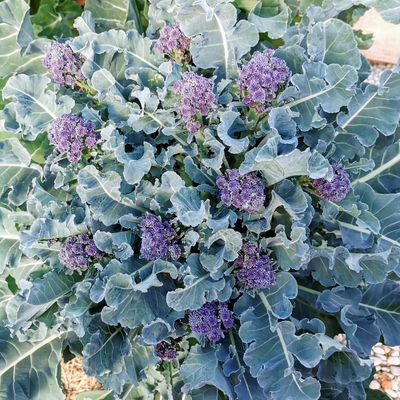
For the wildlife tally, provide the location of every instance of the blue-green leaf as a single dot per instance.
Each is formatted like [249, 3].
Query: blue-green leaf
[275, 25]
[35, 105]
[10, 254]
[222, 245]
[388, 10]
[330, 87]
[230, 123]
[16, 170]
[218, 40]
[202, 367]
[24, 375]
[102, 192]
[333, 42]
[190, 210]
[199, 287]
[364, 116]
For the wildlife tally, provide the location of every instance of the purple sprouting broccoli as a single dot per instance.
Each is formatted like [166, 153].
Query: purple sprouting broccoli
[261, 79]
[173, 42]
[64, 65]
[245, 192]
[78, 252]
[252, 269]
[166, 351]
[71, 135]
[335, 189]
[159, 239]
[196, 99]
[211, 319]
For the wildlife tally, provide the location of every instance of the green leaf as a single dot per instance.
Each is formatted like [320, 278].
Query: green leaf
[218, 40]
[9, 241]
[330, 87]
[273, 23]
[35, 298]
[332, 42]
[199, 287]
[388, 10]
[102, 192]
[16, 34]
[382, 300]
[230, 123]
[54, 18]
[190, 210]
[364, 116]
[96, 395]
[201, 366]
[222, 245]
[16, 171]
[23, 373]
[109, 14]
[36, 106]
[136, 164]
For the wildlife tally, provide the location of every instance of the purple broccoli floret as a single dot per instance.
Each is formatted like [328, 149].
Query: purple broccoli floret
[159, 239]
[252, 269]
[71, 135]
[211, 319]
[245, 192]
[262, 77]
[335, 189]
[196, 99]
[172, 41]
[64, 65]
[166, 351]
[78, 252]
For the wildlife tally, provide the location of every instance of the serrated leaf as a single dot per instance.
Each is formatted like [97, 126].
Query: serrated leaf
[136, 164]
[273, 302]
[274, 349]
[290, 253]
[388, 10]
[122, 299]
[276, 168]
[135, 48]
[230, 123]
[108, 13]
[382, 300]
[330, 87]
[36, 106]
[190, 209]
[16, 170]
[218, 40]
[364, 116]
[23, 373]
[15, 34]
[202, 367]
[384, 177]
[10, 254]
[275, 24]
[222, 245]
[199, 287]
[102, 192]
[325, 42]
[35, 298]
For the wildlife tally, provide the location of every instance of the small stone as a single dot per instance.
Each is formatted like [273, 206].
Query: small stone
[395, 353]
[375, 385]
[395, 385]
[387, 349]
[379, 350]
[385, 369]
[395, 370]
[378, 368]
[393, 360]
[391, 393]
[377, 360]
